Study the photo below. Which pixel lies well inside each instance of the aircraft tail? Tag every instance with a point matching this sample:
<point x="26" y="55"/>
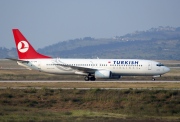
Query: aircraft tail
<point x="24" y="48"/>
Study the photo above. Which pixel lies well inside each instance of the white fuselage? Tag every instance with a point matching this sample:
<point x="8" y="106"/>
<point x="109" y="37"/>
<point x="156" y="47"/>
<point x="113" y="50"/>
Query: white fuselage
<point x="122" y="67"/>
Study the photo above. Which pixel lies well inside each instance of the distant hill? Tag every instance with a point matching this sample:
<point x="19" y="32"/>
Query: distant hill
<point x="8" y="53"/>
<point x="162" y="43"/>
<point x="155" y="43"/>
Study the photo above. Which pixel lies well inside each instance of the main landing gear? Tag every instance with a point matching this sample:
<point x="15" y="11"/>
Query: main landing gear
<point x="87" y="78"/>
<point x="153" y="79"/>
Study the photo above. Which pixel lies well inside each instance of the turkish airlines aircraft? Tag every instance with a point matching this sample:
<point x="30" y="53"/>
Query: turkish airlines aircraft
<point x="92" y="69"/>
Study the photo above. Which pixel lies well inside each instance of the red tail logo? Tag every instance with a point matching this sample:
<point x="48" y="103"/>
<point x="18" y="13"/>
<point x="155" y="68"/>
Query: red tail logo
<point x="24" y="48"/>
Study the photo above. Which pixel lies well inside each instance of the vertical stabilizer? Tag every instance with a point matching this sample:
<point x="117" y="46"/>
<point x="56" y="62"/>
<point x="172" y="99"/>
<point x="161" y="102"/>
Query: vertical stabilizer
<point x="24" y="48"/>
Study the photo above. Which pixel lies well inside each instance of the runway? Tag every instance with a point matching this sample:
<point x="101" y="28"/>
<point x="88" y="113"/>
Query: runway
<point x="75" y="81"/>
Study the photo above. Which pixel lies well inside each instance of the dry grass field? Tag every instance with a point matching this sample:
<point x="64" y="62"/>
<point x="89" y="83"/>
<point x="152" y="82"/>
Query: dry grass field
<point x="89" y="105"/>
<point x="95" y="85"/>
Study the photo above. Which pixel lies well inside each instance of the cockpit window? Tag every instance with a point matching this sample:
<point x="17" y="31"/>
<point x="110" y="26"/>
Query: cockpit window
<point x="159" y="64"/>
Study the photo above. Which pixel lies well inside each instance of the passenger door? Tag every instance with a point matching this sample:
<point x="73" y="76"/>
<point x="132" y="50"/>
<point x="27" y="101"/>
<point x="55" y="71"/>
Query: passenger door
<point x="39" y="65"/>
<point x="149" y="66"/>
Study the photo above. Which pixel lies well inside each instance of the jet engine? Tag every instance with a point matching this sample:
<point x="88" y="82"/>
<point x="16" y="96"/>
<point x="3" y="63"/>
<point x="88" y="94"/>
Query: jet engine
<point x="102" y="74"/>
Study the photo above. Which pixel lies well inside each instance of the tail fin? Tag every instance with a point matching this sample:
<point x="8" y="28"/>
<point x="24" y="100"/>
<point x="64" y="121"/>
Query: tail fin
<point x="24" y="48"/>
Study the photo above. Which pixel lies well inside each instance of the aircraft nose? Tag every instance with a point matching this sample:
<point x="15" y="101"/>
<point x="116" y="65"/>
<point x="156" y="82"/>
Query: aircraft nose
<point x="166" y="69"/>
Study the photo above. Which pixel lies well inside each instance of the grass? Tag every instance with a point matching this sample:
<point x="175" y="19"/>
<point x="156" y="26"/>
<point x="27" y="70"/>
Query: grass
<point x="82" y="105"/>
<point x="126" y="85"/>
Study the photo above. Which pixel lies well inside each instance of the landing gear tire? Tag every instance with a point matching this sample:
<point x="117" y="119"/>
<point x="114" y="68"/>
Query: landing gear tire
<point x="86" y="78"/>
<point x="92" y="78"/>
<point x="153" y="79"/>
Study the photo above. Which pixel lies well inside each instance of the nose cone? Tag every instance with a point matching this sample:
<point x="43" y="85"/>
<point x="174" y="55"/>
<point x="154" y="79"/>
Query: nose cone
<point x="166" y="69"/>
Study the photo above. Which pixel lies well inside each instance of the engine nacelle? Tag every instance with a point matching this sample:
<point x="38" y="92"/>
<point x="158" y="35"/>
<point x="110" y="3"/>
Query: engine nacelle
<point x="102" y="74"/>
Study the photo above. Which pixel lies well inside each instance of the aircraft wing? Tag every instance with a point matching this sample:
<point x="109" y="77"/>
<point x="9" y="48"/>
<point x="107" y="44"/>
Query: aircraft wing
<point x="81" y="69"/>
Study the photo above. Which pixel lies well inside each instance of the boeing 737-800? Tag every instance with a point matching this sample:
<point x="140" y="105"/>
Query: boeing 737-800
<point x="91" y="69"/>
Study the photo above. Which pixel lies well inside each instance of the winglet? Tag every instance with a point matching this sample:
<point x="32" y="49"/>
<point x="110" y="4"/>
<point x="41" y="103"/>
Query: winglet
<point x="24" y="48"/>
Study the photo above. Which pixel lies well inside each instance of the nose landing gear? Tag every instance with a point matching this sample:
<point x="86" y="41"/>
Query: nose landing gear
<point x="153" y="78"/>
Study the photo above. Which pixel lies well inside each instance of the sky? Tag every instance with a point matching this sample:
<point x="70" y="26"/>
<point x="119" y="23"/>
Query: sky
<point x="46" y="22"/>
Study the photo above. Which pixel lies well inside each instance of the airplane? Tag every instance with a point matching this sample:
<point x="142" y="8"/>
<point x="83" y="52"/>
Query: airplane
<point x="91" y="69"/>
